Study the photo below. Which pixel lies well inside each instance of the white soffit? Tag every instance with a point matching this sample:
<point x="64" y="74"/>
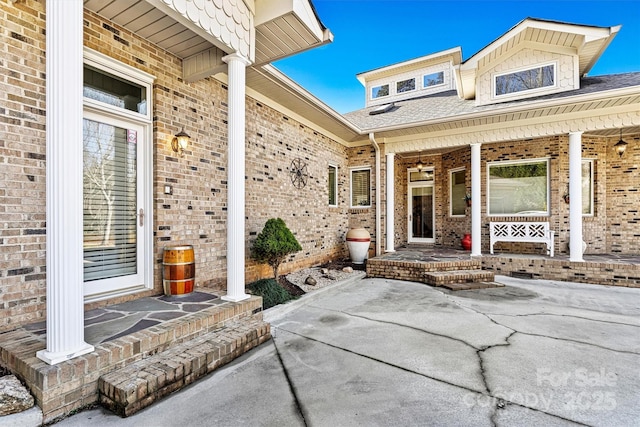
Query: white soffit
<point x="286" y="27"/>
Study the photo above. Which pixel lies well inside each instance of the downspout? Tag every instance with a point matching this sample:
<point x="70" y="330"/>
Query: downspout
<point x="378" y="218"/>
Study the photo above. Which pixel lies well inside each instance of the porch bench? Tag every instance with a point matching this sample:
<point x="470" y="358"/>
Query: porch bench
<point x="534" y="232"/>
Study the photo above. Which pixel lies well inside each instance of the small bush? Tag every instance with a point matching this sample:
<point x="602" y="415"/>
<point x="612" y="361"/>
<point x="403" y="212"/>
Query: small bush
<point x="271" y="292"/>
<point x="274" y="243"/>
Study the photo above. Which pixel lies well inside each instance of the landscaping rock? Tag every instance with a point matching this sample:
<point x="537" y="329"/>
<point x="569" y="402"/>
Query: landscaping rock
<point x="348" y="269"/>
<point x="311" y="281"/>
<point x="14" y="397"/>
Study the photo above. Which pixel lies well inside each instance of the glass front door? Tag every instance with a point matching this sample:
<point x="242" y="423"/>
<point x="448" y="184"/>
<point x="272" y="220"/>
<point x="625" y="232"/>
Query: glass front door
<point x="113" y="218"/>
<point x="421" y="214"/>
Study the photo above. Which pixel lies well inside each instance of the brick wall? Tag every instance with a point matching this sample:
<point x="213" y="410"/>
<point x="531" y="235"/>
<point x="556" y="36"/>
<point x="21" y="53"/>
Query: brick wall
<point x="22" y="163"/>
<point x="195" y="213"/>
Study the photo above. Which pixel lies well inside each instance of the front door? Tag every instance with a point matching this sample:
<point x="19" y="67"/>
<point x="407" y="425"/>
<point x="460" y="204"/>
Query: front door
<point x="421" y="206"/>
<point x="114" y="218"/>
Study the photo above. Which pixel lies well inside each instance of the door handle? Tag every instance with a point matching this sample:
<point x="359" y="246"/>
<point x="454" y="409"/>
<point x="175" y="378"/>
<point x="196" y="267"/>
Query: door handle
<point x="141" y="216"/>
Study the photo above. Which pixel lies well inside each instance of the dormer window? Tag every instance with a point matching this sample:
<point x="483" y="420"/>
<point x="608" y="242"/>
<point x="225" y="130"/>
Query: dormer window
<point x="433" y="79"/>
<point x="525" y="80"/>
<point x="379" y="91"/>
<point x="405" y="85"/>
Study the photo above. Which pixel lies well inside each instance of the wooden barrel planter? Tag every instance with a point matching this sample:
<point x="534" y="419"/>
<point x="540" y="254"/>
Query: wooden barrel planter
<point x="179" y="270"/>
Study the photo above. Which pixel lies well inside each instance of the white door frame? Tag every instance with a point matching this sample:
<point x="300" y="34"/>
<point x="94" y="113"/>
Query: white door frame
<point x="143" y="279"/>
<point x="410" y="187"/>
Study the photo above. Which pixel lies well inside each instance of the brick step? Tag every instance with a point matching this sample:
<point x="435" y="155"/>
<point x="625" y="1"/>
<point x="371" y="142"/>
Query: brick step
<point x="441" y="278"/>
<point x="472" y="285"/>
<point x="138" y="385"/>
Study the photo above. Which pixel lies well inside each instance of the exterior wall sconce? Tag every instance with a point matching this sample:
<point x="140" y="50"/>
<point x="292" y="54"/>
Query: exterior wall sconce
<point x="180" y="142"/>
<point x="620" y="146"/>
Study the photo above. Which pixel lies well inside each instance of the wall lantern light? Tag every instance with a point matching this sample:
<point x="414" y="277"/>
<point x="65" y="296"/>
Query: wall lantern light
<point x="180" y="142"/>
<point x="620" y="146"/>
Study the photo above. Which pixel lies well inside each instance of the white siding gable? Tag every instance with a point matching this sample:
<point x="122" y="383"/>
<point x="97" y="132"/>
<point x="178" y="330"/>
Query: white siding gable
<point x="565" y="68"/>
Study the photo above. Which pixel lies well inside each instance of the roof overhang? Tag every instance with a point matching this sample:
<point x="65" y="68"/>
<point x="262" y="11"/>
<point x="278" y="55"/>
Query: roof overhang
<point x="586" y="42"/>
<point x="584" y="111"/>
<point x="269" y="85"/>
<point x="261" y="30"/>
<point x="287" y="27"/>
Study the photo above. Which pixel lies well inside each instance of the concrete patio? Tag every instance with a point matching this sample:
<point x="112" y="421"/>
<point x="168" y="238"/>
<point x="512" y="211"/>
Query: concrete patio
<point x="385" y="352"/>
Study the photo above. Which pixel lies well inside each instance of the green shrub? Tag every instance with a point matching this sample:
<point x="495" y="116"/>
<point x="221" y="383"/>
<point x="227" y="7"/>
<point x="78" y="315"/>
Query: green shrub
<point x="273" y="244"/>
<point x="271" y="292"/>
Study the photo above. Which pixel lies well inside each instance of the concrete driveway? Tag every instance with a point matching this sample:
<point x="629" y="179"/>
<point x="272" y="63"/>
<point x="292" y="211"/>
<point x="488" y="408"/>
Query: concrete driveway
<point x="384" y="352"/>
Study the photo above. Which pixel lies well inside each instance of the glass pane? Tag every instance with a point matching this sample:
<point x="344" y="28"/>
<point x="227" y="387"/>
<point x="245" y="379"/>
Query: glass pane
<point x="379" y="91"/>
<point x="458" y="193"/>
<point x="433" y="79"/>
<point x="423" y="175"/>
<point x="422" y="215"/>
<point x="405" y="85"/>
<point x="104" y="87"/>
<point x="587" y="184"/>
<point x="110" y="201"/>
<point x="519" y="189"/>
<point x="360" y="188"/>
<point x="525" y="80"/>
<point x="332" y="186"/>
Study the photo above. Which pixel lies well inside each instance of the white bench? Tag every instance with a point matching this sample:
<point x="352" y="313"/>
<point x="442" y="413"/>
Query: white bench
<point x="535" y="232"/>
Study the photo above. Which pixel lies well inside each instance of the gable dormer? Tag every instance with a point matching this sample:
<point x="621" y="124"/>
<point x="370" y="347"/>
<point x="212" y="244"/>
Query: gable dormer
<point x="410" y="79"/>
<point x="534" y="58"/>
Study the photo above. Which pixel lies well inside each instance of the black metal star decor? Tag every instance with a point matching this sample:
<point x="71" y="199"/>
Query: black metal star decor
<point x="299" y="173"/>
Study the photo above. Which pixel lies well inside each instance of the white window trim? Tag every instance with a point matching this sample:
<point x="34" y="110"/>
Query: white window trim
<point x="355" y="169"/>
<point x="592" y="192"/>
<point x="371" y="97"/>
<point x="115" y="67"/>
<point x="415" y="86"/>
<point x="515" y="162"/>
<point x="451" y="172"/>
<point x="119" y="69"/>
<point x="444" y="82"/>
<point x="332" y="165"/>
<point x="526" y="92"/>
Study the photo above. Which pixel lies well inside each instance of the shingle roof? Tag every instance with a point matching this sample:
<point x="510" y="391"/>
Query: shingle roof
<point x="447" y="105"/>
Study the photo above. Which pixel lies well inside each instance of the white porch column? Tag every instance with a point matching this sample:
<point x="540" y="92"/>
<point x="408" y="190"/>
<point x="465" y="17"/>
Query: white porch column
<point x="235" y="177"/>
<point x="575" y="201"/>
<point x="476" y="219"/>
<point x="390" y="187"/>
<point x="65" y="298"/>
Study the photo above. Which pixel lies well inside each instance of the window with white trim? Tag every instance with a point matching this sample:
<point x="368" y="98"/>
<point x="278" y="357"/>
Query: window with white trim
<point x="405" y="85"/>
<point x="518" y="187"/>
<point x="433" y="79"/>
<point x="333" y="185"/>
<point x="525" y="80"/>
<point x="457" y="192"/>
<point x="379" y="91"/>
<point x="361" y="187"/>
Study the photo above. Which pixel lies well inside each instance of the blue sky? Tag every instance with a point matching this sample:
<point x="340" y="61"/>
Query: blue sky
<point x="371" y="34"/>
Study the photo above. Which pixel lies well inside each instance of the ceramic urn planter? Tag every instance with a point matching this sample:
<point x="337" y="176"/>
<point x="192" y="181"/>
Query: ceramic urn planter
<point x="358" y="241"/>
